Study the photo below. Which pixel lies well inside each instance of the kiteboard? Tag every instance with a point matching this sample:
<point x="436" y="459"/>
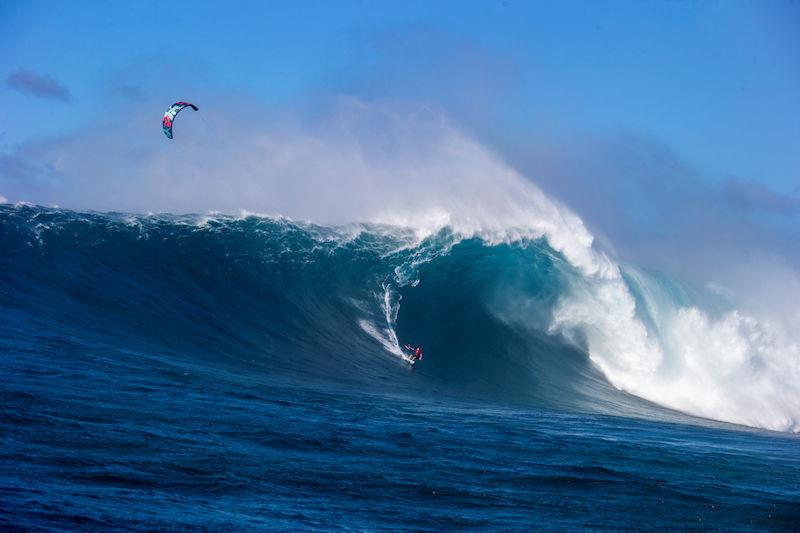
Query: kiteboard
<point x="409" y="359"/>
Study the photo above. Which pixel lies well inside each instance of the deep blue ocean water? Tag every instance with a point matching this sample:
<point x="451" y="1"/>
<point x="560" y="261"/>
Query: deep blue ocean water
<point x="176" y="373"/>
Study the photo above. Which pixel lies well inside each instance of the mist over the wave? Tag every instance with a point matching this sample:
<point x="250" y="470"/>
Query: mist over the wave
<point x="651" y="207"/>
<point x="405" y="164"/>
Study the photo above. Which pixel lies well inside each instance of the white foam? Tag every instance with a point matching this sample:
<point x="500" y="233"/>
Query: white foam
<point x="734" y="368"/>
<point x="385" y="334"/>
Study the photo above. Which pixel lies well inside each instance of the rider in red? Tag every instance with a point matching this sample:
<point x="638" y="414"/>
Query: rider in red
<point x="416" y="353"/>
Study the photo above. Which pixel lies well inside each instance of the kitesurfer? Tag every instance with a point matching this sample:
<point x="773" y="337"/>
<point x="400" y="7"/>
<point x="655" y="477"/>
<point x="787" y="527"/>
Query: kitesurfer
<point x="415" y="353"/>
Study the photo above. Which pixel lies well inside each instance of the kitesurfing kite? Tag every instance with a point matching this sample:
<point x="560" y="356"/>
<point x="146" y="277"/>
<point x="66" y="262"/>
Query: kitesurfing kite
<point x="169" y="116"/>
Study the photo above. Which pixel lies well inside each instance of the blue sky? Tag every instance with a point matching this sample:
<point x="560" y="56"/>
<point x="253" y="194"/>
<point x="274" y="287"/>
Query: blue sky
<point x="716" y="81"/>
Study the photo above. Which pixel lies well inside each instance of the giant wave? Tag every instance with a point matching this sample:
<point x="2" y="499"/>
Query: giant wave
<point x="530" y="313"/>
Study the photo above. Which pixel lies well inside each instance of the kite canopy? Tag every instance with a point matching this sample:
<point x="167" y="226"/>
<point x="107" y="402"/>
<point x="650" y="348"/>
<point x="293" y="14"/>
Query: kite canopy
<point x="169" y="116"/>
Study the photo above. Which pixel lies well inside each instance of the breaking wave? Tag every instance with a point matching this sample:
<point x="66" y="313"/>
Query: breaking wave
<point x="530" y="313"/>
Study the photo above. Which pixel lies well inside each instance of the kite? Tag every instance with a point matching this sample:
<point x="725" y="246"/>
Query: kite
<point x="169" y="116"/>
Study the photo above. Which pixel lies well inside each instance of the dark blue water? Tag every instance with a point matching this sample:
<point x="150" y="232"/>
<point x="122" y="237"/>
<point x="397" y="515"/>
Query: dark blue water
<point x="159" y="374"/>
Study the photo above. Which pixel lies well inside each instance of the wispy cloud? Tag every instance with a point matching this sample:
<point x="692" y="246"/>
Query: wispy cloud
<point x="754" y="196"/>
<point x="13" y="166"/>
<point x="128" y="92"/>
<point x="38" y="85"/>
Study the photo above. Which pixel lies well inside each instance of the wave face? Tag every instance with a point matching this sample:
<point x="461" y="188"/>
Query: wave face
<point x="509" y="320"/>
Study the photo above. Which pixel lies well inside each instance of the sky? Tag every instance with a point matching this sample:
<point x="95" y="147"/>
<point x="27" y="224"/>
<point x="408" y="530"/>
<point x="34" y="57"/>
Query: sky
<point x="671" y="127"/>
<point x="716" y="81"/>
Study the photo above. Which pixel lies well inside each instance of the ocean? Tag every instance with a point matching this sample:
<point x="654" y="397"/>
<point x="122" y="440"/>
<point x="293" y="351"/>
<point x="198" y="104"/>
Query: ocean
<point x="214" y="372"/>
